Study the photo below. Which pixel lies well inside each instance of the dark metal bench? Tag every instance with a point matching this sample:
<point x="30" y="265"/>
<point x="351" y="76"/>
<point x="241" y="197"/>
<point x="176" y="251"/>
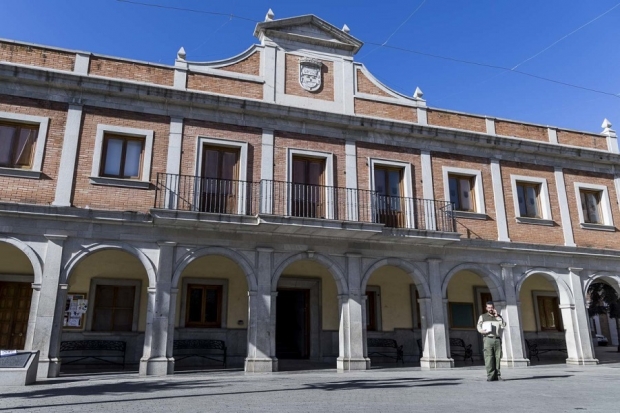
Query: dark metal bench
<point x="106" y="351"/>
<point x="536" y="346"/>
<point x="208" y="349"/>
<point x="460" y="349"/>
<point x="385" y="343"/>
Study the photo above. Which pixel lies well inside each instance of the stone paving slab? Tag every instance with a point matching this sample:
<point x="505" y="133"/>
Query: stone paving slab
<point x="549" y="388"/>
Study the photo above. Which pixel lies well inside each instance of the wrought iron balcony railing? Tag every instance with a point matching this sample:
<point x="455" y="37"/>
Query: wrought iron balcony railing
<point x="289" y="199"/>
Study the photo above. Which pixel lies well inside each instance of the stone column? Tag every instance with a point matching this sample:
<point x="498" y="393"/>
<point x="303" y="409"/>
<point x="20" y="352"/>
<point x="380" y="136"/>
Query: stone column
<point x="148" y="331"/>
<point x="51" y="303"/>
<point x="261" y="325"/>
<point x="157" y="363"/>
<point x="512" y="343"/>
<point x="575" y="319"/>
<point x="174" y="293"/>
<point x="434" y="325"/>
<point x="32" y="316"/>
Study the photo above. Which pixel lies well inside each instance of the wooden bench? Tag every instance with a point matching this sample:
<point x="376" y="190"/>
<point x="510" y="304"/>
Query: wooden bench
<point x="385" y="344"/>
<point x="460" y="349"/>
<point x="208" y="349"/>
<point x="106" y="351"/>
<point x="537" y="346"/>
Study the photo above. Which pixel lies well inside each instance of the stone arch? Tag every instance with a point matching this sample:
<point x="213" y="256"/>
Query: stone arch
<point x="610" y="278"/>
<point x="491" y="280"/>
<point x="416" y="274"/>
<point x="119" y="246"/>
<point x="334" y="269"/>
<point x="237" y="258"/>
<point x="32" y="256"/>
<point x="564" y="292"/>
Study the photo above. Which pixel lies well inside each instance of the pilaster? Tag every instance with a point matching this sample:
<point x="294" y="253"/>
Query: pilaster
<point x="173" y="162"/>
<point x="266" y="171"/>
<point x="427" y="189"/>
<point x="351" y="180"/>
<point x="567" y="227"/>
<point x="68" y="156"/>
<point x="500" y="205"/>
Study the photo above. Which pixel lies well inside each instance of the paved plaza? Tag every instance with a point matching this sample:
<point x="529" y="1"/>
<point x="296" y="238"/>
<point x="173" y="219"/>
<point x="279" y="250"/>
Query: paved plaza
<point x="542" y="388"/>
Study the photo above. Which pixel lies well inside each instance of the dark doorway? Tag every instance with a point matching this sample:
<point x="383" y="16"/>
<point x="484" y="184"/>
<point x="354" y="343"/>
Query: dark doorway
<point x="293" y="324"/>
<point x="14" y="311"/>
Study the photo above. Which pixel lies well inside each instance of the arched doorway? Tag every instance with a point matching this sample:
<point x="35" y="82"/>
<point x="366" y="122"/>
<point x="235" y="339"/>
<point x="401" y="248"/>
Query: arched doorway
<point x="601" y="293"/>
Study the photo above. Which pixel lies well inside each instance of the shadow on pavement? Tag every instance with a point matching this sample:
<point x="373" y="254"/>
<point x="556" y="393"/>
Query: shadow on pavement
<point x="541" y="377"/>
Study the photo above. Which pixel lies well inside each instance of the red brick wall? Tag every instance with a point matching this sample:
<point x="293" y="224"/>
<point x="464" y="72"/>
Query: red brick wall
<point x="36" y="191"/>
<point x="470" y="228"/>
<point x="520" y="130"/>
<point x="455" y="120"/>
<point x="292" y="86"/>
<point x="224" y="86"/>
<point x="527" y="232"/>
<point x="583" y="140"/>
<point x="586" y="237"/>
<point x="250" y="65"/>
<point x="385" y="110"/>
<point x="101" y="66"/>
<point x="36" y="56"/>
<point x="115" y="198"/>
<point x="364" y="85"/>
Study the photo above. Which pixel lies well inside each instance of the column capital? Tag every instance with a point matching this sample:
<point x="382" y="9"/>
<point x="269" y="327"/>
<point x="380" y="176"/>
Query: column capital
<point x="264" y="249"/>
<point x="63" y="286"/>
<point x="152" y="290"/>
<point x="507" y="265"/>
<point x="174" y="291"/>
<point x="166" y="243"/>
<point x="252" y="293"/>
<point x="433" y="260"/>
<point x="575" y="270"/>
<point x="569" y="306"/>
<point x="56" y="237"/>
<point x="36" y="287"/>
<point x="353" y="255"/>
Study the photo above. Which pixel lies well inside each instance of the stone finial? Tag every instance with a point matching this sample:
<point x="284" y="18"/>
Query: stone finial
<point x="607" y="130"/>
<point x="269" y="16"/>
<point x="418" y="93"/>
<point x="346" y="29"/>
<point x="606" y="124"/>
<point x="181" y="54"/>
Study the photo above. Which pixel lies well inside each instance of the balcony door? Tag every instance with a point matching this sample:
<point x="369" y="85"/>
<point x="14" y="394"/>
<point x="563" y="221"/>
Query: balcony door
<point x="389" y="202"/>
<point x="219" y="180"/>
<point x="307" y="188"/>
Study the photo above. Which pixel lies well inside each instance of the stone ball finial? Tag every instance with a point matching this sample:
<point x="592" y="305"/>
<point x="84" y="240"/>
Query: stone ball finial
<point x="269" y="16"/>
<point x="181" y="54"/>
<point x="418" y="93"/>
<point x="346" y="29"/>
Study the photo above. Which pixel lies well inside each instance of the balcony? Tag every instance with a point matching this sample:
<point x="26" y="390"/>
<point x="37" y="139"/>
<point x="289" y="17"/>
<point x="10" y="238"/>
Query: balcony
<point x="287" y="207"/>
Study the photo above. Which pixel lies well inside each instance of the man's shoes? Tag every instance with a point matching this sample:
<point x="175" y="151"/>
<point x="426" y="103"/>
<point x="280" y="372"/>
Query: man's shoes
<point x="499" y="378"/>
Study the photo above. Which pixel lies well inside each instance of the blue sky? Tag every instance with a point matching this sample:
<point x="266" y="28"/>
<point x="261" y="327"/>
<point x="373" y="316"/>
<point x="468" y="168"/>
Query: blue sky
<point x="494" y="32"/>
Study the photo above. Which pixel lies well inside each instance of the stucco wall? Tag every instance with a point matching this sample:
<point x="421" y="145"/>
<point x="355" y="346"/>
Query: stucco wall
<point x="395" y="285"/>
<point x="528" y="314"/>
<point x="13" y="261"/>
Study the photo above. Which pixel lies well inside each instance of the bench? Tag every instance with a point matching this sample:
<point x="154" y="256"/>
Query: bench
<point x="460" y="349"/>
<point x="106" y="351"/>
<point x="208" y="349"/>
<point x="536" y="346"/>
<point x="385" y="343"/>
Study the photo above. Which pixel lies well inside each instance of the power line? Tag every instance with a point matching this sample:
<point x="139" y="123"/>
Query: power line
<point x="213" y="13"/>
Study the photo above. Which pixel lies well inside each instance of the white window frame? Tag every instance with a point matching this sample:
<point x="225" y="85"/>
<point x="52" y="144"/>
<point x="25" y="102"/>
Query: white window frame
<point x="37" y="160"/>
<point x="478" y="187"/>
<point x="328" y="157"/>
<point x="242" y="147"/>
<point x="605" y="205"/>
<point x="407" y="184"/>
<point x="543" y="195"/>
<point x="145" y="177"/>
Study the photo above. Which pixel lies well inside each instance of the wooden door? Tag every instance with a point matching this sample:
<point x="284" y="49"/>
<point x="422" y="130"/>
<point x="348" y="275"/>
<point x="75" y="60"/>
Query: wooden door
<point x="219" y="180"/>
<point x="307" y="189"/>
<point x="389" y="203"/>
<point x="15" y="300"/>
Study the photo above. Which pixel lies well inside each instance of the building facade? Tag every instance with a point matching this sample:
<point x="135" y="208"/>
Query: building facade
<point x="286" y="202"/>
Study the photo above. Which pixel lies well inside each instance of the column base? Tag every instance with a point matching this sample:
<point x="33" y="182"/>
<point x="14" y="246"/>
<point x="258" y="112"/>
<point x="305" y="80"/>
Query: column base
<point x="582" y="362"/>
<point x="515" y="363"/>
<point x="433" y="364"/>
<point x="348" y="364"/>
<point x="261" y="365"/>
<point x="158" y="366"/>
<point x="48" y="368"/>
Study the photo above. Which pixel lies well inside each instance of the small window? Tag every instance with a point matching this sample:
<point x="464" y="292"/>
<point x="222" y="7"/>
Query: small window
<point x="122" y="157"/>
<point x="114" y="308"/>
<point x="591" y="206"/>
<point x="462" y="192"/>
<point x="528" y="195"/>
<point x="17" y="144"/>
<point x="462" y="315"/>
<point x="549" y="313"/>
<point x="204" y="306"/>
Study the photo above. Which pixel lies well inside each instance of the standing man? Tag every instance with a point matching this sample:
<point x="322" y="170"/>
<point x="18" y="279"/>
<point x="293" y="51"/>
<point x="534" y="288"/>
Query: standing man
<point x="491" y="325"/>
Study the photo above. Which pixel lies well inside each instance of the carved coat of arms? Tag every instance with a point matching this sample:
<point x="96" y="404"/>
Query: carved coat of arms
<point x="310" y="77"/>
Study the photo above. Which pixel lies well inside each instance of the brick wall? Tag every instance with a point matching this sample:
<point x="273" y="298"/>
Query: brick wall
<point x="527" y="232"/>
<point x="36" y="191"/>
<point x="583" y="140"/>
<point x="224" y="86"/>
<point x="101" y="66"/>
<point x="588" y="237"/>
<point x="250" y="65"/>
<point x="116" y="198"/>
<point x="470" y="228"/>
<point x="536" y="133"/>
<point x="385" y="110"/>
<point x="364" y="85"/>
<point x="36" y="56"/>
<point x="455" y="120"/>
<point x="292" y="86"/>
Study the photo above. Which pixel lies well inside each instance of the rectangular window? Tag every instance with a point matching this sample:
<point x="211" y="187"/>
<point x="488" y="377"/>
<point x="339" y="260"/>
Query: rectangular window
<point x="389" y="202"/>
<point x="122" y="157"/>
<point x="549" y="313"/>
<point x="17" y="144"/>
<point x="114" y="308"/>
<point x="371" y="310"/>
<point x="219" y="180"/>
<point x="528" y="195"/>
<point x="204" y="306"/>
<point x="591" y="206"/>
<point x="462" y="192"/>
<point x="307" y="189"/>
<point x="462" y="315"/>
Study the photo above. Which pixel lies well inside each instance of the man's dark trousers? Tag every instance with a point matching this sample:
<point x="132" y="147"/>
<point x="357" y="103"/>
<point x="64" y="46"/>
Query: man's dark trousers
<point x="492" y="357"/>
